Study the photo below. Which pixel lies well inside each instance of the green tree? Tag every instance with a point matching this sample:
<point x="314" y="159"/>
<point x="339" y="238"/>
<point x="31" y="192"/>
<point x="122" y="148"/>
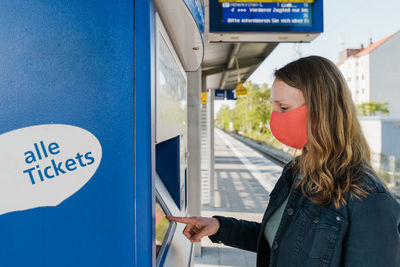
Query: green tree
<point x="252" y="111"/>
<point x="224" y="117"/>
<point x="251" y="114"/>
<point x="372" y="108"/>
<point x="227" y="117"/>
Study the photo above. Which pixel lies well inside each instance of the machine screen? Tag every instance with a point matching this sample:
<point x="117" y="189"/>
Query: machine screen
<point x="162" y="226"/>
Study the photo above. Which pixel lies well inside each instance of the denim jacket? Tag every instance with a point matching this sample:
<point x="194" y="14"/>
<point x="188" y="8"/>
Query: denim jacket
<point x="363" y="233"/>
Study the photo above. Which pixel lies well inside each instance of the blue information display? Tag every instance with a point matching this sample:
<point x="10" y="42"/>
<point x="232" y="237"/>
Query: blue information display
<point x="266" y="16"/>
<point x="279" y="14"/>
<point x="219" y="94"/>
<point x="230" y="95"/>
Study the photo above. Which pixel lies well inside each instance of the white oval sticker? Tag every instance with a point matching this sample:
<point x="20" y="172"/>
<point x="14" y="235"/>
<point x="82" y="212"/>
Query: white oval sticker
<point x="45" y="164"/>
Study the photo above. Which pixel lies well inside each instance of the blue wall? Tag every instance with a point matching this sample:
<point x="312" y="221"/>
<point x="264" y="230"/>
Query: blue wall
<point x="71" y="62"/>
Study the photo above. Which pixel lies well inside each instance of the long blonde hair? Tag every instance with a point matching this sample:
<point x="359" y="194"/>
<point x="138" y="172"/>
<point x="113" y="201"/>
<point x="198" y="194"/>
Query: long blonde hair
<point x="337" y="155"/>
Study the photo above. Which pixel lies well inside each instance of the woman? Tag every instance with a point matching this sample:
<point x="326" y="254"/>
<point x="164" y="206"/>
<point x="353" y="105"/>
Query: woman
<point x="328" y="208"/>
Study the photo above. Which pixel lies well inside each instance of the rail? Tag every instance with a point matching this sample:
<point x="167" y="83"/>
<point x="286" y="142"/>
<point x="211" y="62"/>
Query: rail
<point x="277" y="156"/>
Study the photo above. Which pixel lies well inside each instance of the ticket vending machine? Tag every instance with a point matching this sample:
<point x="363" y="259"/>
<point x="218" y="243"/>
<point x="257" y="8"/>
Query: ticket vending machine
<point x="172" y="248"/>
<point x="93" y="134"/>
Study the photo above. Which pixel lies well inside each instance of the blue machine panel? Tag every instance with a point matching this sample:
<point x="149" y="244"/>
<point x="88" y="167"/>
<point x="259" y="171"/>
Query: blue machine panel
<point x="253" y="16"/>
<point x="144" y="48"/>
<point x="168" y="166"/>
<point x="71" y="63"/>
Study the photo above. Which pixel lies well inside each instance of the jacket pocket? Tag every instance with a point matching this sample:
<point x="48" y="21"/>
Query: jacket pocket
<point x="321" y="233"/>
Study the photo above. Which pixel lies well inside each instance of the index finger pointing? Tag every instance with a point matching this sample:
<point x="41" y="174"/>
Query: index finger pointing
<point x="185" y="220"/>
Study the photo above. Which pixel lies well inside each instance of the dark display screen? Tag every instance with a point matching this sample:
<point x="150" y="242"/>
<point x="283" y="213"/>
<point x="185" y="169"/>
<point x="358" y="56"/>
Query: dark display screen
<point x="162" y="225"/>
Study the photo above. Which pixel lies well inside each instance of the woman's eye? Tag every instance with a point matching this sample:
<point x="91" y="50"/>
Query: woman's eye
<point x="284" y="108"/>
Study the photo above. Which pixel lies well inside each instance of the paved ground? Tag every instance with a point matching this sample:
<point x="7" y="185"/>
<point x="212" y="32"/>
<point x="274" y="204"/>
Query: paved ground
<point x="243" y="180"/>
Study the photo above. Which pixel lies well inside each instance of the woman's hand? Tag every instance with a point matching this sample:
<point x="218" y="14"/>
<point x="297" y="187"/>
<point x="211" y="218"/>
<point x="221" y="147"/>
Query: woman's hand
<point x="197" y="227"/>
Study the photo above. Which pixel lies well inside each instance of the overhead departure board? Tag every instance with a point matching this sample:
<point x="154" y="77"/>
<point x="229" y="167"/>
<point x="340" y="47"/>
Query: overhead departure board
<point x="280" y="14"/>
<point x="290" y="16"/>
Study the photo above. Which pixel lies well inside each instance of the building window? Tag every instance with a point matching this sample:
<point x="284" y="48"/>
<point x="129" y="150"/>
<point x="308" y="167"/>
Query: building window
<point x="363" y="91"/>
<point x="356" y="92"/>
<point x="362" y="77"/>
<point x="357" y="78"/>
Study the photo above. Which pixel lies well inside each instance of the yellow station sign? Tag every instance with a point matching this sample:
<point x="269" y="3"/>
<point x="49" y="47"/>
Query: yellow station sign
<point x="240" y="90"/>
<point x="204" y="98"/>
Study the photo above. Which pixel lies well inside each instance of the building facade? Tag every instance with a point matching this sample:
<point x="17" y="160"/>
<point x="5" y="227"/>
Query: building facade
<point x="372" y="73"/>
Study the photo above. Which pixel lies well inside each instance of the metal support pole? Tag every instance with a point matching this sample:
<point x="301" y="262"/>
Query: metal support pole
<point x="211" y="145"/>
<point x="193" y="123"/>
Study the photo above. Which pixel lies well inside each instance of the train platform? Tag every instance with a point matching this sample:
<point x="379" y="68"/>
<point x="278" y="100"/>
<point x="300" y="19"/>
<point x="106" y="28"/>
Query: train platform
<point x="243" y="180"/>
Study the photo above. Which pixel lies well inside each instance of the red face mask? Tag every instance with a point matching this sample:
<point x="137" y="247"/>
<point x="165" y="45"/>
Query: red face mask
<point x="290" y="127"/>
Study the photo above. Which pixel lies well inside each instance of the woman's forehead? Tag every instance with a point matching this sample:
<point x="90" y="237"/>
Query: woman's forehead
<point x="283" y="92"/>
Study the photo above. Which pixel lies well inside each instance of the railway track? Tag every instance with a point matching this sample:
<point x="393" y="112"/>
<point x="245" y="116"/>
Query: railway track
<point x="278" y="157"/>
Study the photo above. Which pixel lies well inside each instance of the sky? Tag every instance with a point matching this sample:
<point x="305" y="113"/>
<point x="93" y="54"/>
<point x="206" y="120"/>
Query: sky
<point x="351" y="21"/>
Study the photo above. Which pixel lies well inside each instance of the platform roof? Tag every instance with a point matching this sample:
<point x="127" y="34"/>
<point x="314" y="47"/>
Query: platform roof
<point x="219" y="64"/>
